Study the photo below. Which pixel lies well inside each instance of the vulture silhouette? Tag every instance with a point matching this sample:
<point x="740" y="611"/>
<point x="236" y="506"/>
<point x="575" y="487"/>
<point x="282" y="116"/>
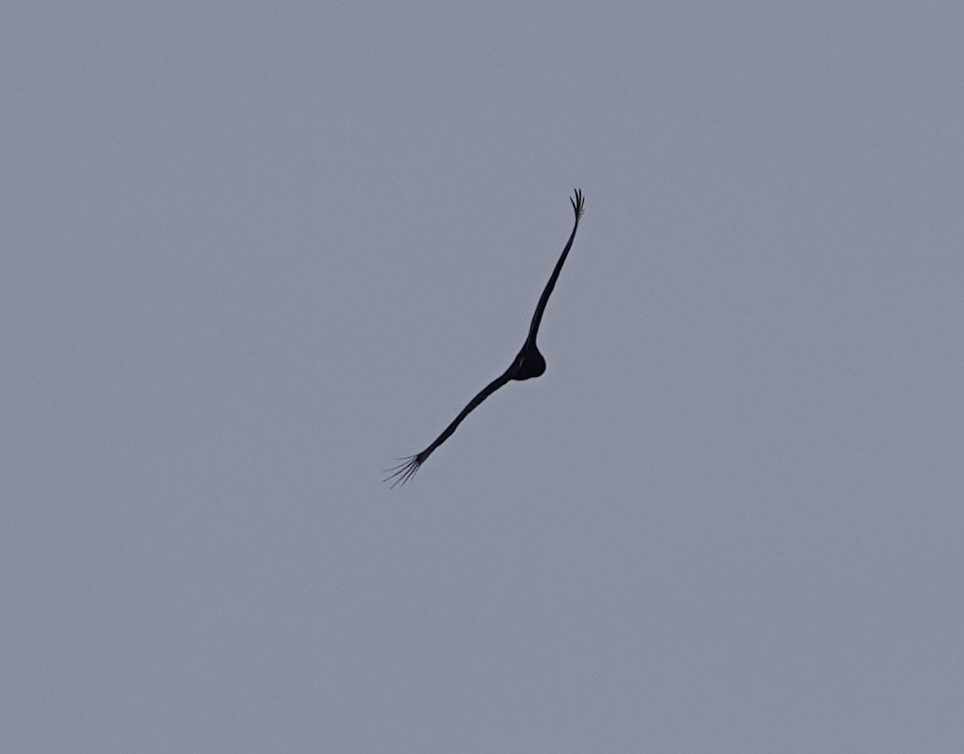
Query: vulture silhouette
<point x="527" y="364"/>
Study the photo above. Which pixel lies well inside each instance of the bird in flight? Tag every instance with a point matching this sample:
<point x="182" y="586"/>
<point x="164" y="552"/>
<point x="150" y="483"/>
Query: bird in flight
<point x="527" y="364"/>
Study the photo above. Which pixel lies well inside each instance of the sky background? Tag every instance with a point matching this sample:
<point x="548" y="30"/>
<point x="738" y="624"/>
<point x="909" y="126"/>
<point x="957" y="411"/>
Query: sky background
<point x="251" y="252"/>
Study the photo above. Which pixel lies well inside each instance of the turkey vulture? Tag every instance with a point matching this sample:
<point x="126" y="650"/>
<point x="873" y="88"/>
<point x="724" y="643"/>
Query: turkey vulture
<point x="527" y="364"/>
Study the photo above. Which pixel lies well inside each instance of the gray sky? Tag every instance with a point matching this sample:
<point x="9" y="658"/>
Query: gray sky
<point x="250" y="252"/>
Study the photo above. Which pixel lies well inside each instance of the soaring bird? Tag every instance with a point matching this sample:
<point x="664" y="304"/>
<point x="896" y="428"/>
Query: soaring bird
<point x="527" y="364"/>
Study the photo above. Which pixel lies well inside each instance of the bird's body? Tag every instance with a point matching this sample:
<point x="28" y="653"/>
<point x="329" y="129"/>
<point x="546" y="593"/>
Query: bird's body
<point x="528" y="364"/>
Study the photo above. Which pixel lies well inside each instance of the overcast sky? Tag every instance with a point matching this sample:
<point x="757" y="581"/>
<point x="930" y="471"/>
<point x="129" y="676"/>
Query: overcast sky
<point x="252" y="252"/>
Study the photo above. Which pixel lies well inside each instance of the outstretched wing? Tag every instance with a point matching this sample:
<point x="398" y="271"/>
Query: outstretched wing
<point x="578" y="203"/>
<point x="406" y="470"/>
